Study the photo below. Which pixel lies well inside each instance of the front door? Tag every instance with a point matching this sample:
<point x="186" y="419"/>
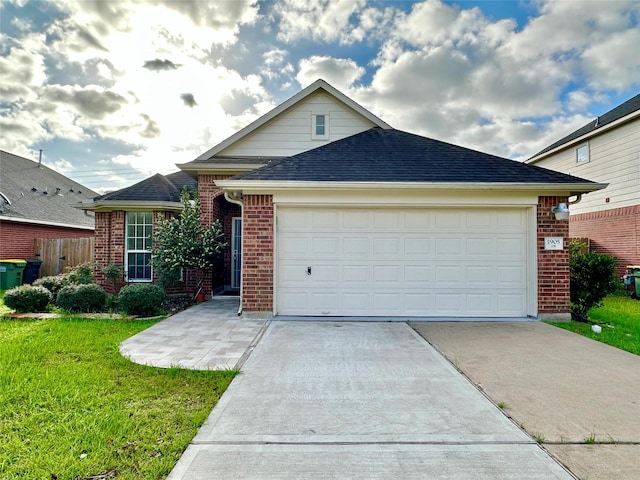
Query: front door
<point x="236" y="252"/>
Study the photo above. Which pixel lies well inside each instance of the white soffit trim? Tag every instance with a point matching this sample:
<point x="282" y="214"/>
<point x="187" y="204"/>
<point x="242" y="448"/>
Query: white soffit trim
<point x="585" y="137"/>
<point x="269" y="186"/>
<point x="301" y="95"/>
<point x="4" y="218"/>
<point x="139" y="205"/>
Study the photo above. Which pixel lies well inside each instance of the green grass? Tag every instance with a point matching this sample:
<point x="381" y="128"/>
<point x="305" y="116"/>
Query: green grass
<point x="72" y="407"/>
<point x="620" y="320"/>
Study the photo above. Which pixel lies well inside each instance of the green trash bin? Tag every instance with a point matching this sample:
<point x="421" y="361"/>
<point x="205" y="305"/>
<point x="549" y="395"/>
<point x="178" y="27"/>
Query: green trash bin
<point x="11" y="273"/>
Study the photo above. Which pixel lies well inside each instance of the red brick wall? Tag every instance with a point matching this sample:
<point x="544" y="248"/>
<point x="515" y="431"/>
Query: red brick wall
<point x="213" y="206"/>
<point x="18" y="240"/>
<point x="109" y="244"/>
<point x="553" y="265"/>
<point x="257" y="273"/>
<point x="615" y="232"/>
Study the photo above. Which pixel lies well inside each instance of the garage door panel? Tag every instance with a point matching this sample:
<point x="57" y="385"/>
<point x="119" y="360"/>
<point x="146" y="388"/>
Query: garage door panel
<point x="418" y="262"/>
<point x="417" y="274"/>
<point x="356" y="246"/>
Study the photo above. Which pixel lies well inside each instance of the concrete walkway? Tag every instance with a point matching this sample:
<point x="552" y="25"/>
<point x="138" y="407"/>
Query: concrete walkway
<point x="207" y="336"/>
<point x="329" y="400"/>
<point x="559" y="386"/>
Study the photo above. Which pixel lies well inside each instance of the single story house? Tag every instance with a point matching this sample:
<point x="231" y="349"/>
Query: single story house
<point x="330" y="212"/>
<point x="607" y="150"/>
<point x="36" y="202"/>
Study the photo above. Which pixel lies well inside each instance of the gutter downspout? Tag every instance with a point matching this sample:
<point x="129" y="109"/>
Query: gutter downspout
<point x="577" y="200"/>
<point x="236" y="197"/>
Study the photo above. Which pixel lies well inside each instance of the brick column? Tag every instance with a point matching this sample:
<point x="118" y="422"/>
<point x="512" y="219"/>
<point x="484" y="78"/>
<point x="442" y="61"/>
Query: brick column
<point x="109" y="243"/>
<point x="553" y="265"/>
<point x="257" y="255"/>
<point x="209" y="195"/>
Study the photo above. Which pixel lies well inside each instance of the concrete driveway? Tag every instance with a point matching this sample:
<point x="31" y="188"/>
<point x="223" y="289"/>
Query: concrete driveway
<point x="564" y="388"/>
<point x="357" y="400"/>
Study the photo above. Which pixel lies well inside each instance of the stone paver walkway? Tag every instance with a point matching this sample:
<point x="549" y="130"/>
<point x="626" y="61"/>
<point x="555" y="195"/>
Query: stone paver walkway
<point x="208" y="336"/>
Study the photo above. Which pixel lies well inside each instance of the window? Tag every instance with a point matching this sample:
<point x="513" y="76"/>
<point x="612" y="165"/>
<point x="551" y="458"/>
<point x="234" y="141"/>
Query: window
<point x="139" y="228"/>
<point x="320" y="127"/>
<point x="582" y="153"/>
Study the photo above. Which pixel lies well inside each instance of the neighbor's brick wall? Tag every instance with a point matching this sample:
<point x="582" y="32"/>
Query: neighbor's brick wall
<point x="257" y="273"/>
<point x="615" y="232"/>
<point x="553" y="265"/>
<point x="18" y="240"/>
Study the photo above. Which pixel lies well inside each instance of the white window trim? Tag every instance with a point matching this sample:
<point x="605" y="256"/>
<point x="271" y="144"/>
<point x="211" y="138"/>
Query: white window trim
<point x="127" y="252"/>
<point x="588" y="156"/>
<point x="314" y="117"/>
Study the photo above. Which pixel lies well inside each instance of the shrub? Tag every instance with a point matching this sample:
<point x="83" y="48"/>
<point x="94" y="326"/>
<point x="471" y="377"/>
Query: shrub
<point x="593" y="277"/>
<point x="141" y="299"/>
<point x="81" y="274"/>
<point x="87" y="297"/>
<point x="28" y="298"/>
<point x="54" y="284"/>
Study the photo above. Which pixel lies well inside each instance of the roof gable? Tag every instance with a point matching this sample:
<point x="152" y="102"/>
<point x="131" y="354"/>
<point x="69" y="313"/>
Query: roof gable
<point x="35" y="193"/>
<point x="380" y="155"/>
<point x="300" y="97"/>
<point x="623" y="110"/>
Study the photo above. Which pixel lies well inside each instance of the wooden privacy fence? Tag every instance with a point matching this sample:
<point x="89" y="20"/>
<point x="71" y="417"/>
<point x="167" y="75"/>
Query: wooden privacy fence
<point x="58" y="254"/>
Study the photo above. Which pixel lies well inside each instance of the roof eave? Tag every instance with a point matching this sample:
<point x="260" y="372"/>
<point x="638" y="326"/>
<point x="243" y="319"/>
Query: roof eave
<point x="251" y="186"/>
<point x="585" y="137"/>
<point x="131" y="205"/>
<point x="31" y="221"/>
<point x="203" y="168"/>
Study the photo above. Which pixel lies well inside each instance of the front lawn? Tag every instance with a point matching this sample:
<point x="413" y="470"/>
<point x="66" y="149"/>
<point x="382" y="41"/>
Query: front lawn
<point x="619" y="318"/>
<point x="71" y="407"/>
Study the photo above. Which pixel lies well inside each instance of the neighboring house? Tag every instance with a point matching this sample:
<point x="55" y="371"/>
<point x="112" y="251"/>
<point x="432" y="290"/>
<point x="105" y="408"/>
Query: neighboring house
<point x="36" y="202"/>
<point x="606" y="150"/>
<point x="331" y="212"/>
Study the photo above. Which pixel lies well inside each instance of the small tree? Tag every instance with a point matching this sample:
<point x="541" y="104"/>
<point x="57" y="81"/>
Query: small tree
<point x="593" y="277"/>
<point x="183" y="242"/>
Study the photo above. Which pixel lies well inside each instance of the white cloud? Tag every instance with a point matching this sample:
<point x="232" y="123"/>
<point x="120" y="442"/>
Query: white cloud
<point x="614" y="62"/>
<point x="339" y="72"/>
<point x="320" y="20"/>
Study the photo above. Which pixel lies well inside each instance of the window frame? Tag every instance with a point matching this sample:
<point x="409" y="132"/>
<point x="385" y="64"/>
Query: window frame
<point x="314" y="126"/>
<point x="587" y="156"/>
<point x="144" y="248"/>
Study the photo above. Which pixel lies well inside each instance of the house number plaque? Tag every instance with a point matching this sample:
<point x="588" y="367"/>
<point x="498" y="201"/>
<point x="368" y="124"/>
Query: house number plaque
<point x="553" y="243"/>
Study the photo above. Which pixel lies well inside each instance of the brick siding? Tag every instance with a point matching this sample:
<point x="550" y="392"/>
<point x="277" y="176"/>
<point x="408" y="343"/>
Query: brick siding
<point x="257" y="273"/>
<point x="615" y="232"/>
<point x="18" y="240"/>
<point x="553" y="265"/>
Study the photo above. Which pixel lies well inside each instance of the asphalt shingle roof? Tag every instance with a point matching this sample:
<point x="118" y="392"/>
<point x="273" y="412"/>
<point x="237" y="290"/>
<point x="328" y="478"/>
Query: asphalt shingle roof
<point x="158" y="188"/>
<point x="622" y="110"/>
<point x="384" y="155"/>
<point x="38" y="193"/>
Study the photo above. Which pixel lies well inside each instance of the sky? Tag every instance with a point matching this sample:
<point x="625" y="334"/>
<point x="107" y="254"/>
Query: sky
<point x="114" y="92"/>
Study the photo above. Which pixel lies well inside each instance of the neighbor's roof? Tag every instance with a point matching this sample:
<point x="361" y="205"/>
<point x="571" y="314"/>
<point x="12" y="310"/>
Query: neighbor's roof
<point x="620" y="112"/>
<point x="158" y="191"/>
<point x="380" y="155"/>
<point x="34" y="193"/>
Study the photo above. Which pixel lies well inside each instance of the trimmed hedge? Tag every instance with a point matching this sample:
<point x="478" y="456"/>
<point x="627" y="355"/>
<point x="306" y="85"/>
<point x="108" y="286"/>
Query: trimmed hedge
<point x="141" y="299"/>
<point x="53" y="283"/>
<point x="28" y="298"/>
<point x="82" y="298"/>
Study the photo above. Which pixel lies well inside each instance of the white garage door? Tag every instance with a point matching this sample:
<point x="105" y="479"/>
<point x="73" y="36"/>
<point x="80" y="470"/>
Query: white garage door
<point x="401" y="262"/>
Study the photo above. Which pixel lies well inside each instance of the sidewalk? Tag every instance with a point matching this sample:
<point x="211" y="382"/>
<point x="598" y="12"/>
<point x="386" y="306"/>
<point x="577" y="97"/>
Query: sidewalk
<point x="207" y="336"/>
<point x="561" y="387"/>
